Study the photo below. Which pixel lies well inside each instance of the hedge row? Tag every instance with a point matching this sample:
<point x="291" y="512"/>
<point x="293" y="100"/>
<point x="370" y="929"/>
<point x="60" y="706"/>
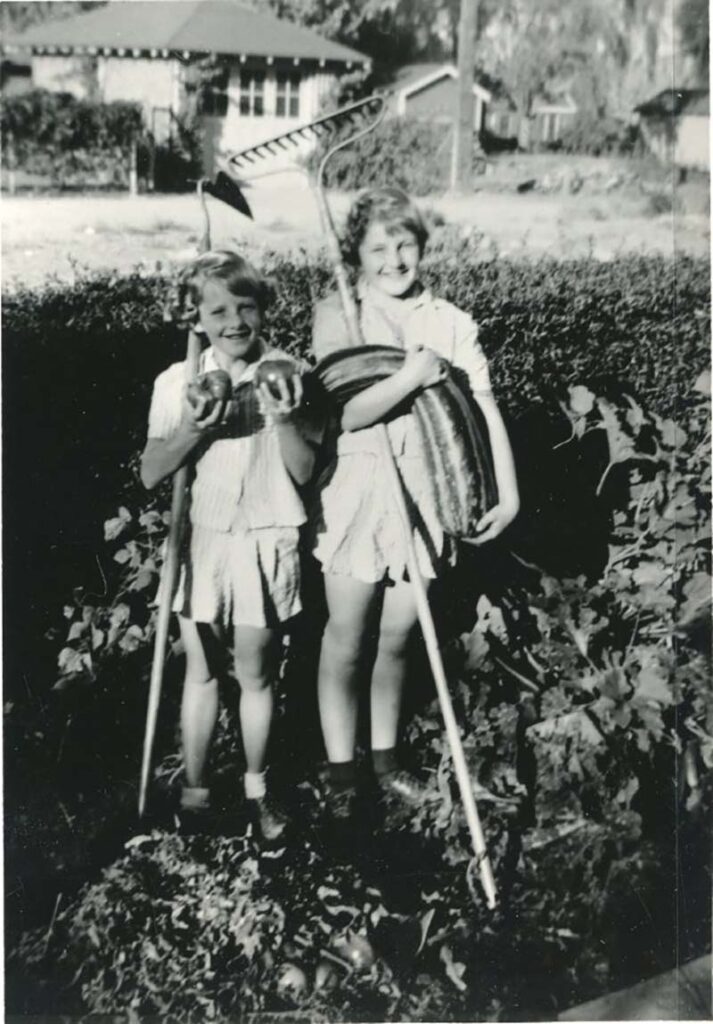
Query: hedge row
<point x="640" y="321"/>
<point x="79" y="362"/>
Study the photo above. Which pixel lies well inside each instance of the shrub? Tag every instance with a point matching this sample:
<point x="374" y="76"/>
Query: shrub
<point x="66" y="138"/>
<point x="415" y="155"/>
<point x="599" y="136"/>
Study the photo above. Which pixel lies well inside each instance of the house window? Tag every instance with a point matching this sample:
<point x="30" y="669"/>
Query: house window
<point x="549" y="127"/>
<point x="214" y="94"/>
<point x="288" y="96"/>
<point x="252" y="93"/>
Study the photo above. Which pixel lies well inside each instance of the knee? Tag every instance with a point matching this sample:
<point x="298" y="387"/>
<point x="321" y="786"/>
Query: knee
<point x="343" y="640"/>
<point x="394" y="642"/>
<point x="253" y="672"/>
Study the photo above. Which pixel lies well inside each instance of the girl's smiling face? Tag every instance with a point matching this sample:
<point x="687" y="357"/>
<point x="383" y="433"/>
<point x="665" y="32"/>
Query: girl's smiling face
<point x="231" y="322"/>
<point x="390" y="256"/>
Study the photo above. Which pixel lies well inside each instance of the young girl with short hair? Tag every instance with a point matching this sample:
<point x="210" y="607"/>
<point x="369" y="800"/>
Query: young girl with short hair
<point x="240" y="564"/>
<point x="358" y="535"/>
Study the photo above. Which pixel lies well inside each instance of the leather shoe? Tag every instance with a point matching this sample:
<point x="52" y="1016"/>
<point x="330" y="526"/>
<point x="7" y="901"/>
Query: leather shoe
<point x="270" y="820"/>
<point x="340" y="802"/>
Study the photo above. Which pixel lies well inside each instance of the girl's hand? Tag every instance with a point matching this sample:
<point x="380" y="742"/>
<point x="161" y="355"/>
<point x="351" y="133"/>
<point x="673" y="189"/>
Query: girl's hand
<point x="492" y="524"/>
<point x="202" y="413"/>
<point x="282" y="409"/>
<point x="424" y="368"/>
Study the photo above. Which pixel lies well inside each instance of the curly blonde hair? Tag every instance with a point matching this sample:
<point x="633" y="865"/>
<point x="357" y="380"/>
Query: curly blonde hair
<point x="385" y="205"/>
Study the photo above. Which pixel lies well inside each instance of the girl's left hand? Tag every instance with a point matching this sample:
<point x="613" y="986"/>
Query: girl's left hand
<point x="492" y="524"/>
<point x="282" y="409"/>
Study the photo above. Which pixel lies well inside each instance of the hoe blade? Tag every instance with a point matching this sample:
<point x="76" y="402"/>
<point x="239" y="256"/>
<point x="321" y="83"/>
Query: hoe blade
<point x="228" y="191"/>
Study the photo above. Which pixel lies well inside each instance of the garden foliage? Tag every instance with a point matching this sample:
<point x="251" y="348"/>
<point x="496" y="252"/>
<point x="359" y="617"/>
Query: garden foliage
<point x="413" y="154"/>
<point x="69" y="139"/>
<point x="582" y="694"/>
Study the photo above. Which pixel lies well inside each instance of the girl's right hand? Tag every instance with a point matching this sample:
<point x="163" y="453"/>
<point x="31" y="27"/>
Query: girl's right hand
<point x="202" y="414"/>
<point x="424" y="368"/>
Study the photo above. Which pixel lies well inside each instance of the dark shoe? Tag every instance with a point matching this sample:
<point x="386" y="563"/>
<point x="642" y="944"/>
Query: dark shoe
<point x="404" y="788"/>
<point x="270" y="820"/>
<point x="195" y="821"/>
<point x="340" y="802"/>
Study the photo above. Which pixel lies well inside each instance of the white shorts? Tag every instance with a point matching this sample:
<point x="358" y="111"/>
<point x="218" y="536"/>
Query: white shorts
<point x="246" y="578"/>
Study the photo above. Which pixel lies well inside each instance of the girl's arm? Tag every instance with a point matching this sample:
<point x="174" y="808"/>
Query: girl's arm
<point x="297" y="453"/>
<point x="163" y="456"/>
<point x="421" y="368"/>
<point x="496" y="519"/>
<point x="469" y="356"/>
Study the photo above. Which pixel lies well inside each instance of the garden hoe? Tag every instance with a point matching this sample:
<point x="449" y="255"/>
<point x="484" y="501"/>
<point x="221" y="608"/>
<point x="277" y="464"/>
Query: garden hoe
<point x="363" y="116"/>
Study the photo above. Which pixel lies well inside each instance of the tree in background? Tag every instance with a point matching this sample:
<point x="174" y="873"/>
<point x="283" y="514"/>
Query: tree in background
<point x="391" y="32"/>
<point x="693" y="24"/>
<point x="16" y="17"/>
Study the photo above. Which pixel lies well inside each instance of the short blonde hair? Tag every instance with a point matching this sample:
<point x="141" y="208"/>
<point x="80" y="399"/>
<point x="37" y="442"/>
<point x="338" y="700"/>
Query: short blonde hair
<point x="238" y="274"/>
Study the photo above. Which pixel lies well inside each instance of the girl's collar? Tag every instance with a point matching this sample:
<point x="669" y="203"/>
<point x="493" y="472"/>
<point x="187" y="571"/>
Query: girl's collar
<point x="209" y="362"/>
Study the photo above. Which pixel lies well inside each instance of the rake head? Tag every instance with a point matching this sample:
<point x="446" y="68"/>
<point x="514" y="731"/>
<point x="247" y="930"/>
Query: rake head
<point x="360" y="115"/>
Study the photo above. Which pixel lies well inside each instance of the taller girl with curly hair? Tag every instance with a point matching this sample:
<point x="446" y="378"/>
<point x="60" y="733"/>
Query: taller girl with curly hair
<point x="358" y="535"/>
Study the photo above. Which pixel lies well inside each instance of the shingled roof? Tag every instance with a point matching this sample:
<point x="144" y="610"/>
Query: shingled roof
<point x="192" y="26"/>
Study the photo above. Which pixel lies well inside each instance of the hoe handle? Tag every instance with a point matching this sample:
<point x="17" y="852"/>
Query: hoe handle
<point x="167" y="587"/>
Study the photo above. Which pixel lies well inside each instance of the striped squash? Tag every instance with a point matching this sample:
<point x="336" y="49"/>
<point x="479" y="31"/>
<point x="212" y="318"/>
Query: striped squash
<point x="452" y="426"/>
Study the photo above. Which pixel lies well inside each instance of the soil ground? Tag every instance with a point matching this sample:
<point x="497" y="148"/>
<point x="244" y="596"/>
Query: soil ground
<point x="58" y="235"/>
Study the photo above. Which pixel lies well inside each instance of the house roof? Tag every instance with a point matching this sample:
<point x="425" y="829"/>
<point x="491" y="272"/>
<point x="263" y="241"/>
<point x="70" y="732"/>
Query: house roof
<point x="193" y="26"/>
<point x="673" y="102"/>
<point x="412" y="78"/>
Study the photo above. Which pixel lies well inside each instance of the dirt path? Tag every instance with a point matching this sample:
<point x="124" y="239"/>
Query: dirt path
<point x="55" y="236"/>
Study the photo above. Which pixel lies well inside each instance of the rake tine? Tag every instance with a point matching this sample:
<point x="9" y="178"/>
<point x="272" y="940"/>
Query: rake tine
<point x="352" y="115"/>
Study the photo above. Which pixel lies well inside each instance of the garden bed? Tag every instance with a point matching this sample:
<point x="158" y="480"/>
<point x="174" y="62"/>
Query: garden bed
<point x="579" y="670"/>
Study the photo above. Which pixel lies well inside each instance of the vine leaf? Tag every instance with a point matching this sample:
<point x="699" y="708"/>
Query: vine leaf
<point x="454" y="969"/>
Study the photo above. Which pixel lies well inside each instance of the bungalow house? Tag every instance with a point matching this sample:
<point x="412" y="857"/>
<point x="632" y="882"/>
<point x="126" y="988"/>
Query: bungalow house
<point x="675" y="126"/>
<point x="429" y="91"/>
<point x="268" y="75"/>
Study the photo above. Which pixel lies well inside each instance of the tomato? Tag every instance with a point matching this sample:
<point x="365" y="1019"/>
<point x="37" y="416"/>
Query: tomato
<point x="292" y="981"/>
<point x="272" y="371"/>
<point x="215" y="385"/>
<point x="219" y="384"/>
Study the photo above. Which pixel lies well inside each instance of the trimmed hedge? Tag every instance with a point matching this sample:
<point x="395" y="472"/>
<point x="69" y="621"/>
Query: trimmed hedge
<point x="79" y="362"/>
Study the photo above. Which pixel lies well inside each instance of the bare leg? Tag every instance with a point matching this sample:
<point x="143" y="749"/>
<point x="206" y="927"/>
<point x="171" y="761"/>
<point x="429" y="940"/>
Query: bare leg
<point x="398" y="619"/>
<point x="349" y="602"/>
<point x="256" y="659"/>
<point x="199" y="707"/>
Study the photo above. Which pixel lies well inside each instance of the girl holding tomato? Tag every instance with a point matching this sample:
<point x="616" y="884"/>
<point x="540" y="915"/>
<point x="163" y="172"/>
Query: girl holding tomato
<point x="240" y="568"/>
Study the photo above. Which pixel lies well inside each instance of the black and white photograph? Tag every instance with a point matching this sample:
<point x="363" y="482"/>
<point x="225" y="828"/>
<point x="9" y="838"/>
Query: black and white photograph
<point x="356" y="478"/>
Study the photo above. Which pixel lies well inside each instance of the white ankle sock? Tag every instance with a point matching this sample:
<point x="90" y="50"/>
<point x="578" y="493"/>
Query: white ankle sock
<point x="255" y="787"/>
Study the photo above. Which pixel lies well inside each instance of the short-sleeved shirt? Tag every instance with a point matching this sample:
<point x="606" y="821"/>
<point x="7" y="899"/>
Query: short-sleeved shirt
<point x="240" y="483"/>
<point x="423" y="320"/>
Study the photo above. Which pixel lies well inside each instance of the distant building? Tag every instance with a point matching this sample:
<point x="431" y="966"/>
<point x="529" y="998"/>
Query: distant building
<point x="429" y="91"/>
<point x="675" y="127"/>
<point x="272" y="75"/>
